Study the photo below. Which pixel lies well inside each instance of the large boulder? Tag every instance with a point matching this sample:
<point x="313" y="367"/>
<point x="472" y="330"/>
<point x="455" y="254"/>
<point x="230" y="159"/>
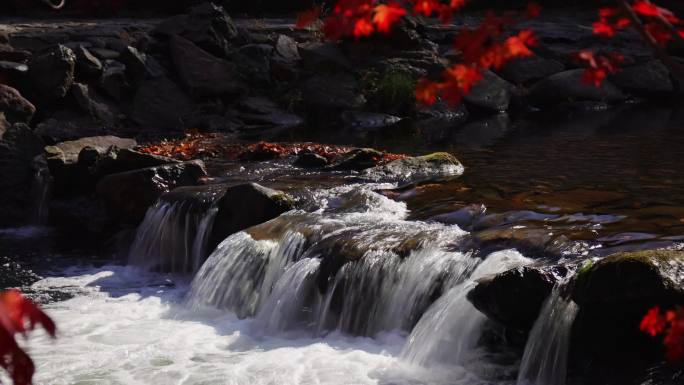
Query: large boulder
<point x="15" y="106"/>
<point x="417" y="168"/>
<point x="568" y="86"/>
<point x="202" y="73"/>
<point x="92" y="104"/>
<point x="614" y="294"/>
<point x="206" y="25"/>
<point x="515" y="297"/>
<point x="161" y="103"/>
<point x="140" y="66"/>
<point x="18" y="149"/>
<point x="491" y="94"/>
<point x="247" y="205"/>
<point x="52" y="72"/>
<point x="65" y="160"/>
<point x="647" y="79"/>
<point x="114" y="81"/>
<point x="128" y="195"/>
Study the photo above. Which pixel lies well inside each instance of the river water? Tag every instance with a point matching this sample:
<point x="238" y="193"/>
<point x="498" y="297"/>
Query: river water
<point x="267" y="307"/>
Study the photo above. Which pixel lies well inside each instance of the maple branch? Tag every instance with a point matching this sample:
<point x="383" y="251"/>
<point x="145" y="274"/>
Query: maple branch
<point x="675" y="68"/>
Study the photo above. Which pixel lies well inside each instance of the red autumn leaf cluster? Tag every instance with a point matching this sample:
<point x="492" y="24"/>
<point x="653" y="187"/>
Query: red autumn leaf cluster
<point x="488" y="45"/>
<point x="671" y="324"/>
<point x="598" y="67"/>
<point x="18" y="316"/>
<point x="659" y="22"/>
<point x="202" y="145"/>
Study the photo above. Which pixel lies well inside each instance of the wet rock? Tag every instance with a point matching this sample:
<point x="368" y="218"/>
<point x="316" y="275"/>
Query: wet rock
<point x="568" y="86"/>
<point x="247" y="205"/>
<point x="359" y="159"/>
<point x="52" y="72"/>
<point x="286" y="49"/>
<point x="361" y="120"/>
<point x="647" y="79"/>
<point x="160" y="103"/>
<point x="202" y="73"/>
<point x="527" y="70"/>
<point x="88" y="67"/>
<point x="336" y="92"/>
<point x="139" y="66"/>
<point x="206" y="25"/>
<point x="515" y="297"/>
<point x="463" y="218"/>
<point x="419" y="168"/>
<point x="127" y="195"/>
<point x="614" y="294"/>
<point x="66" y="161"/>
<point x="310" y="160"/>
<point x="492" y="93"/>
<point x="92" y="104"/>
<point x="15" y="107"/>
<point x="113" y="80"/>
<point x="18" y="148"/>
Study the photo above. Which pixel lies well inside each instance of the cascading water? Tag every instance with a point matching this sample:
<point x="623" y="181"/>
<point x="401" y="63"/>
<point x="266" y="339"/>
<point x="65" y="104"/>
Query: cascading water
<point x="173" y="236"/>
<point x="546" y="353"/>
<point x="450" y="329"/>
<point x="374" y="271"/>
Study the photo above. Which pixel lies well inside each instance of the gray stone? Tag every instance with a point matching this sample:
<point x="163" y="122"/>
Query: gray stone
<point x="128" y="195"/>
<point x="417" y="169"/>
<point x="139" y="66"/>
<point x="92" y="104"/>
<point x="66" y="153"/>
<point x="647" y="79"/>
<point x="52" y="72"/>
<point x="114" y="82"/>
<point x="87" y="65"/>
<point x="202" y="73"/>
<point x="161" y="103"/>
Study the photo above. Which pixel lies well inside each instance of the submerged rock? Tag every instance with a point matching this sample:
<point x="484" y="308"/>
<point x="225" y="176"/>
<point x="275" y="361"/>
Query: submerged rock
<point x="359" y="159"/>
<point x="311" y="160"/>
<point x="419" y="168"/>
<point x="128" y="195"/>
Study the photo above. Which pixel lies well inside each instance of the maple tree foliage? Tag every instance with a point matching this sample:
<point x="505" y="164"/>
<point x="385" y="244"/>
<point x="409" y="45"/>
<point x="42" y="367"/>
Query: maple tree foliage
<point x="671" y="324"/>
<point x="18" y="316"/>
<point x="491" y="44"/>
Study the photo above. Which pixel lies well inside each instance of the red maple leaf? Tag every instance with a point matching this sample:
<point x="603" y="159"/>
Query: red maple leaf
<point x="386" y="15"/>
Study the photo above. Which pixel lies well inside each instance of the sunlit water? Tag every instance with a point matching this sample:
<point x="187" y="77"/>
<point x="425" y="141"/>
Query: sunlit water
<point x="128" y="327"/>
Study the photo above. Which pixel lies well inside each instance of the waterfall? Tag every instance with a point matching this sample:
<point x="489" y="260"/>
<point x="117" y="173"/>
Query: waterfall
<point x="546" y="353"/>
<point x="450" y="329"/>
<point x="356" y="266"/>
<point x="173" y="236"/>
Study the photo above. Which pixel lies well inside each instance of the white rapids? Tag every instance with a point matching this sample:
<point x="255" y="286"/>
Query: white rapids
<point x="124" y="326"/>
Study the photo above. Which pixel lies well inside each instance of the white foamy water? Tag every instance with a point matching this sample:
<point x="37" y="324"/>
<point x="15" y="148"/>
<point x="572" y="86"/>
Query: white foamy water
<point x="127" y="327"/>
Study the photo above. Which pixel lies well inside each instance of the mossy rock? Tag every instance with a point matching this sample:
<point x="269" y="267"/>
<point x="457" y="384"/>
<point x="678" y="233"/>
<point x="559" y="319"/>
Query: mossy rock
<point x="418" y="168"/>
<point x="632" y="276"/>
